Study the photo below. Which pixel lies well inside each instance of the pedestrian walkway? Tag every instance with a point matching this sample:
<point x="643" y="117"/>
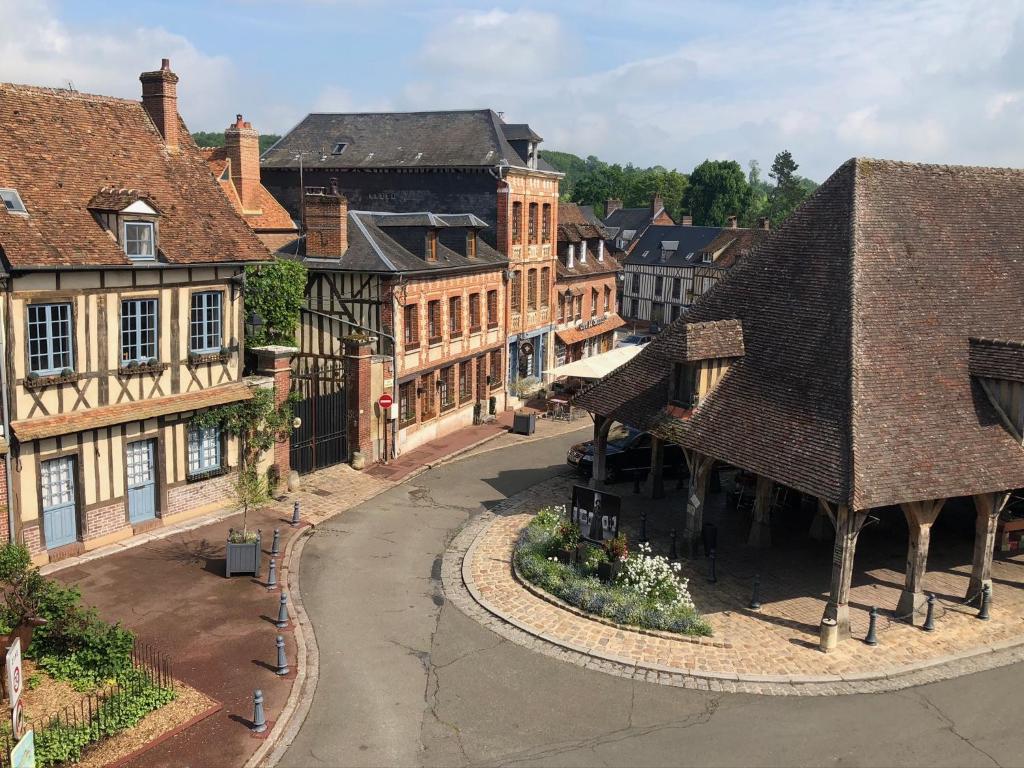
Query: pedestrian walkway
<point x="773" y="646"/>
<point x="429" y="454"/>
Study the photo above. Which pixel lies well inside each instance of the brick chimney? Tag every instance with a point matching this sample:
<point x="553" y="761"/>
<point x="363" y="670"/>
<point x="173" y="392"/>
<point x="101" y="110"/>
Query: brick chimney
<point x="326" y="223"/>
<point x="656" y="204"/>
<point x="686" y="221"/>
<point x="160" y="100"/>
<point x="242" y="146"/>
<point x="730" y="222"/>
<point x="611" y="204"/>
<point x="764" y="223"/>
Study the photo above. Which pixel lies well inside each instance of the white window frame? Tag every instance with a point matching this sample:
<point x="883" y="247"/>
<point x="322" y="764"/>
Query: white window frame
<point x="144" y="225"/>
<point x="206" y="322"/>
<point x="205" y="454"/>
<point x="12" y="201"/>
<point x="47" y="318"/>
<point x="139" y="344"/>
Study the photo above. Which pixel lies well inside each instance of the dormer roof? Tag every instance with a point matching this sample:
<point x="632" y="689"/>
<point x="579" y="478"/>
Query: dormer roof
<point x="121" y="200"/>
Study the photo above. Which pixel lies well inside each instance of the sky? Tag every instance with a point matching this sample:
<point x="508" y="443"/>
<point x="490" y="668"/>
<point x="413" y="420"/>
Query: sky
<point x="666" y="83"/>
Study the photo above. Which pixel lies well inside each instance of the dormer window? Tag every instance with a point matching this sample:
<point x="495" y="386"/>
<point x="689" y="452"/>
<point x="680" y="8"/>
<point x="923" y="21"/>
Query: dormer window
<point x="684" y="391"/>
<point x="706" y="257"/>
<point x="139" y="240"/>
<point x="339" y="147"/>
<point x="12" y="201"/>
<point x="431" y="249"/>
<point x="471" y="244"/>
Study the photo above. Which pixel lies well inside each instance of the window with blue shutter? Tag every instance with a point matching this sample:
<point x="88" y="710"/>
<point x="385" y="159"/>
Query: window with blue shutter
<point x="49" y="339"/>
<point x="205" y="322"/>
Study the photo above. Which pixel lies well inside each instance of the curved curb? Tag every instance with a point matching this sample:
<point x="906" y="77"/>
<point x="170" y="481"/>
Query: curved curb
<point x="307" y="655"/>
<point x="463" y="548"/>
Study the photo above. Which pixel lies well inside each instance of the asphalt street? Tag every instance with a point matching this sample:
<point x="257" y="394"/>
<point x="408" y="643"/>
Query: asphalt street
<point x="406" y="679"/>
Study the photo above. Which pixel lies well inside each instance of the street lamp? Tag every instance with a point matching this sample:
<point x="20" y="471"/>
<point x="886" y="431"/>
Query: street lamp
<point x="253" y="323"/>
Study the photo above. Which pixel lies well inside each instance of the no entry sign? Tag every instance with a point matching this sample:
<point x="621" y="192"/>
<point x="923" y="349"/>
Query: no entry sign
<point x="385" y="401"/>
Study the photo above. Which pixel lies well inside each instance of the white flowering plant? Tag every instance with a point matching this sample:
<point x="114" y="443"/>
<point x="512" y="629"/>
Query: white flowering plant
<point x="655" y="578"/>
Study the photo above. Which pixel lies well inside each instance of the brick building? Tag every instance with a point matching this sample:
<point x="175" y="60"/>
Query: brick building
<point x="432" y="288"/>
<point x="587" y="277"/>
<point x="450" y="162"/>
<point x="123" y="315"/>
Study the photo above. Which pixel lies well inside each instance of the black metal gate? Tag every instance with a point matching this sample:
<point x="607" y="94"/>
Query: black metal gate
<point x="320" y="441"/>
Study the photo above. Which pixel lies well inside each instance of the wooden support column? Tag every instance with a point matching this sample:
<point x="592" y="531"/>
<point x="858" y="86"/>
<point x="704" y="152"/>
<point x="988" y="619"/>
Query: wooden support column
<point x="847" y="525"/>
<point x="761" y="527"/>
<point x="920" y="516"/>
<point x="657" y="468"/>
<point x="601" y="426"/>
<point x="700" y="475"/>
<point x="988" y="507"/>
<point x="821" y="525"/>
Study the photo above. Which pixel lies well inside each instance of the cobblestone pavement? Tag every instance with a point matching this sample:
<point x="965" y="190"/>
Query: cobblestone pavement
<point x="771" y="651"/>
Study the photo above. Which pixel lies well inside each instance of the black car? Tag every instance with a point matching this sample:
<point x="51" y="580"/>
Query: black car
<point x="629" y="451"/>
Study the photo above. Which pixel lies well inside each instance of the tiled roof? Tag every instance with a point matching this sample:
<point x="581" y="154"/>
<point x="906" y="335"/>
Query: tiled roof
<point x="269" y="214"/>
<point x="109" y="415"/>
<point x="574" y="226"/>
<point x="63" y="147"/>
<point x="114" y="199"/>
<point x="706" y="341"/>
<point x="575" y="335"/>
<point x="855" y="385"/>
<point x="996" y="359"/>
<point x="461" y="139"/>
<point x="731" y="244"/>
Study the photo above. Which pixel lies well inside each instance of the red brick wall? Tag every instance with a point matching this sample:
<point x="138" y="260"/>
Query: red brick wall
<point x="32" y="539"/>
<point x="184" y="498"/>
<point x="5" y="531"/>
<point x="104" y="520"/>
<point x="358" y="397"/>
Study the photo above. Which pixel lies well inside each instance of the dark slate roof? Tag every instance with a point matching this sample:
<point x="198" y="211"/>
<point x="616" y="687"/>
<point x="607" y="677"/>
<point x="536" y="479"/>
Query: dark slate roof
<point x="393" y="243"/>
<point x="629" y="218"/>
<point x="731" y="244"/>
<point x="855" y="382"/>
<point x="461" y="139"/>
<point x="996" y="359"/>
<point x="519" y="132"/>
<point x="690" y="243"/>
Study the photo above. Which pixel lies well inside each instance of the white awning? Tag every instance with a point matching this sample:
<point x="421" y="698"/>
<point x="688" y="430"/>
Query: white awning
<point x="596" y="366"/>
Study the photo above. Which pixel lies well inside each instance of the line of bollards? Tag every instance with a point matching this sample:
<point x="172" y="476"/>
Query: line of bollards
<point x="272" y="576"/>
<point x="755" y="598"/>
<point x="929" y="618"/>
<point x="259" y="719"/>
<point x="986" y="603"/>
<point x="275" y="548"/>
<point x="872" y="636"/>
<point x="282" y="660"/>
<point x="282" y="612"/>
<point x="295" y="515"/>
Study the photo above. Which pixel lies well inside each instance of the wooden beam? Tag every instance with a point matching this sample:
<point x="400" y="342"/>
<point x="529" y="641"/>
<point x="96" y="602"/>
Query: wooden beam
<point x="848" y="525"/>
<point x="700" y="475"/>
<point x="761" y="526"/>
<point x="920" y="516"/>
<point x="657" y="489"/>
<point x="988" y="507"/>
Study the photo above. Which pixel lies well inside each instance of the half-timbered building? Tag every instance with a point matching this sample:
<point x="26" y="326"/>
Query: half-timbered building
<point x="627" y="225"/>
<point x="427" y="292"/>
<point x="586" y="281"/>
<point x="670" y="266"/>
<point x="122" y="315"/>
<point x="882" y="383"/>
<point x="457" y="162"/>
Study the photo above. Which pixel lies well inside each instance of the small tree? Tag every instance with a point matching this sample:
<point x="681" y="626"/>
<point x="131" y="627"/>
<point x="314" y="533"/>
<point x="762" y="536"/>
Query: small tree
<point x="257" y="423"/>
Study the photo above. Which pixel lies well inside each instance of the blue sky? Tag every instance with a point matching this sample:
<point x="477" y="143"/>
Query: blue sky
<point x="663" y="82"/>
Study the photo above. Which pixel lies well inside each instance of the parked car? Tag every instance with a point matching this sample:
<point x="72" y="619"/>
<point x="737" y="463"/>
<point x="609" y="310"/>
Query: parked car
<point x="629" y="451"/>
<point x="634" y="340"/>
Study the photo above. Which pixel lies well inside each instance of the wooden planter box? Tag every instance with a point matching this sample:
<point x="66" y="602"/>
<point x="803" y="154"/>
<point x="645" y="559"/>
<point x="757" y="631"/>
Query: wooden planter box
<point x="243" y="557"/>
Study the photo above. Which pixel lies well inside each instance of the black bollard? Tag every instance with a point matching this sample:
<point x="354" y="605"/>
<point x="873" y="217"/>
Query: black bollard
<point x="272" y="577"/>
<point x="259" y="719"/>
<point x="673" y="553"/>
<point x="712" y="575"/>
<point x="929" y="619"/>
<point x="872" y="636"/>
<point x="275" y="548"/>
<point x="282" y="612"/>
<point x="282" y="661"/>
<point x="643" y="527"/>
<point x="986" y="603"/>
<point x="295" y="515"/>
<point x="636" y="481"/>
<point x="755" y="599"/>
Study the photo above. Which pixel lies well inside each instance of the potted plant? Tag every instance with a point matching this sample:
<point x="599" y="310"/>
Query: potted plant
<point x="617" y="550"/>
<point x="244" y="546"/>
<point x="592" y="559"/>
<point x="566" y="541"/>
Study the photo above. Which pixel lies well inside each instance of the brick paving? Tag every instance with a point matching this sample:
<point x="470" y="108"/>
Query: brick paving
<point x="763" y="650"/>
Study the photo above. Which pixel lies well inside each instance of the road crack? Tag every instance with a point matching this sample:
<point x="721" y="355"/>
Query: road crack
<point x="950" y="725"/>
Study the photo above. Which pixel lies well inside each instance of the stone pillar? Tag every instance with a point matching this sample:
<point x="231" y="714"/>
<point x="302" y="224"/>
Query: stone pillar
<point x="358" y="397"/>
<point x="657" y="489"/>
<point x="835" y="623"/>
<point x="988" y="507"/>
<point x="601" y="426"/>
<point x="700" y="475"/>
<point x="920" y="516"/>
<point x="275" y="362"/>
<point x="761" y="527"/>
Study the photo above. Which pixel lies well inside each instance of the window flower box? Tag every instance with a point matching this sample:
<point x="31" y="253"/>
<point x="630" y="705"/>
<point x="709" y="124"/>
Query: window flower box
<point x="139" y="369"/>
<point x="35" y="381"/>
<point x="205" y="358"/>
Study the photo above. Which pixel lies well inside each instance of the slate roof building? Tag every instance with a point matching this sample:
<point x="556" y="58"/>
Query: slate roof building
<point x="431" y="290"/>
<point x="123" y="315"/>
<point x="586" y="281"/>
<point x="627" y="225"/>
<point x="458" y="162"/>
<point x="887" y="372"/>
<point x="670" y="265"/>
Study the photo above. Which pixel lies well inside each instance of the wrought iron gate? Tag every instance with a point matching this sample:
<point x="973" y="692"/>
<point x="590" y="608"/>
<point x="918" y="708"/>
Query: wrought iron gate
<point x="320" y="441"/>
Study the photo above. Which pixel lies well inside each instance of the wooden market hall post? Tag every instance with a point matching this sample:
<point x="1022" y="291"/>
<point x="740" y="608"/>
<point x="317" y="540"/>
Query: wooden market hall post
<point x="835" y="623"/>
<point x="761" y="527"/>
<point x="920" y="516"/>
<point x="988" y="507"/>
<point x="601" y="426"/>
<point x="657" y="490"/>
<point x="700" y="475"/>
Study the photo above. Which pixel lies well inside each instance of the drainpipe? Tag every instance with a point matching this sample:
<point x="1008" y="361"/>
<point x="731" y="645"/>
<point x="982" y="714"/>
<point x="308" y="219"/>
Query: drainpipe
<point x="394" y="367"/>
<point x="5" y="404"/>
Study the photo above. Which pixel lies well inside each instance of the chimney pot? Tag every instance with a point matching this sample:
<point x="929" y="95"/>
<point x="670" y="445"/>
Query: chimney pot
<point x="731" y="222"/>
<point x="160" y="100"/>
<point x="765" y="223"/>
<point x="612" y="204"/>
<point x="165" y="65"/>
<point x="686" y="221"/>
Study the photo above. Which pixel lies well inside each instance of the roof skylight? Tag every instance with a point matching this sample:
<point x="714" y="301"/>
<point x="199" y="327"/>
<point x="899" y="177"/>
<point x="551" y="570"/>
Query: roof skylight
<point x="12" y="201"/>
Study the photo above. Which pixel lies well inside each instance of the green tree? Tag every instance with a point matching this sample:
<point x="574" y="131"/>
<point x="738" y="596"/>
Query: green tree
<point x="717" y="189"/>
<point x="276" y="292"/>
<point x="216" y="139"/>
<point x="759" y="191"/>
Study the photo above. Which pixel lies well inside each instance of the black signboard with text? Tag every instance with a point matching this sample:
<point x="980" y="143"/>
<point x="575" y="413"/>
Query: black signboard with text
<point x="595" y="512"/>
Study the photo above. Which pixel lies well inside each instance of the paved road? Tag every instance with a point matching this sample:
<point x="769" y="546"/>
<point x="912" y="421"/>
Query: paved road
<point x="408" y="680"/>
